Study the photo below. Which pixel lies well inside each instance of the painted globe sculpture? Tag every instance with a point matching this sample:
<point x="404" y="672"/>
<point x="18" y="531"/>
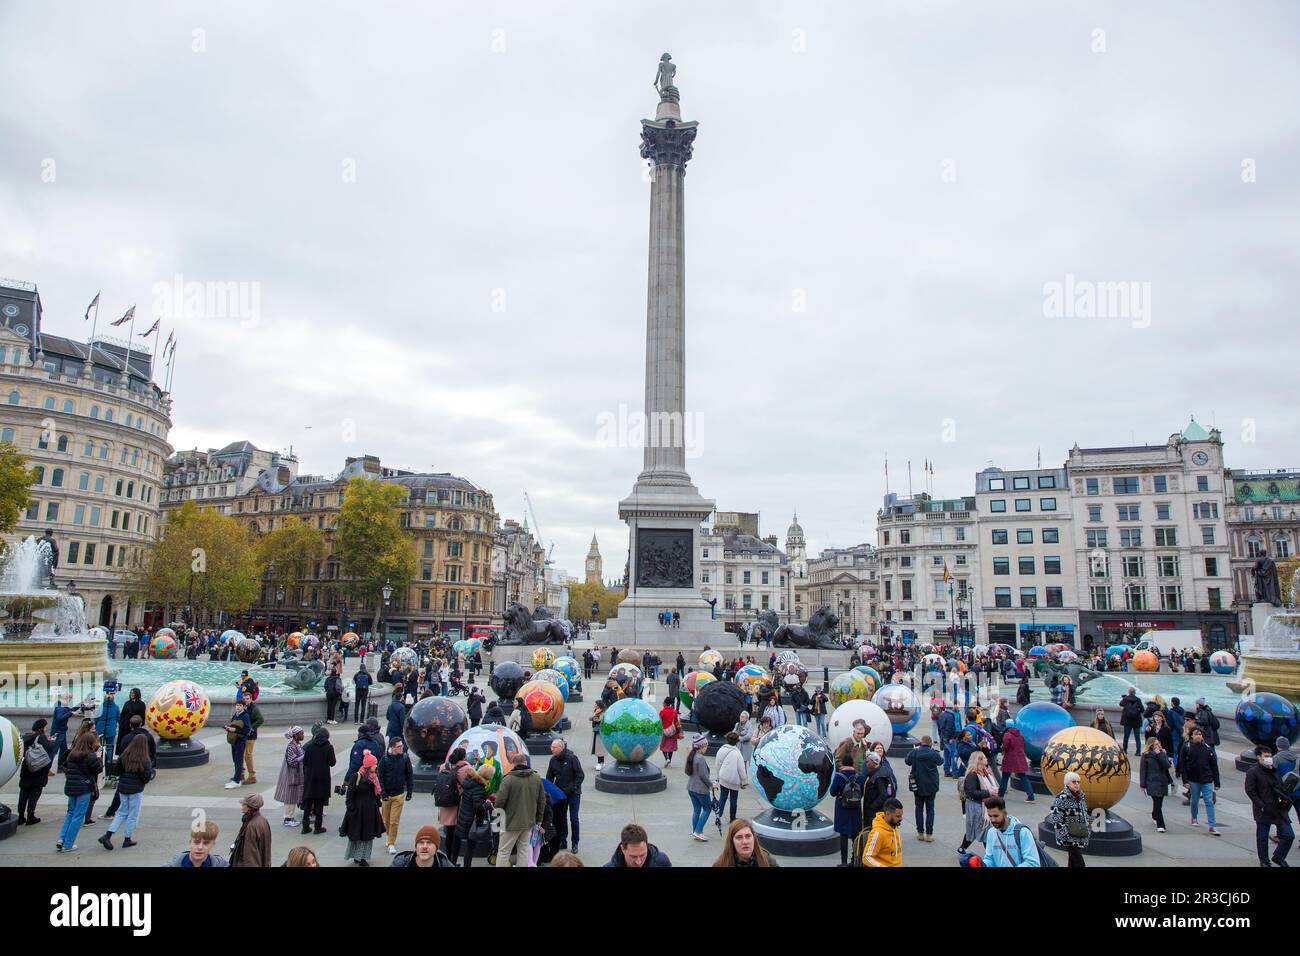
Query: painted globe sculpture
<point x="692" y="684"/>
<point x="177" y="710"/>
<point x="569" y="667"/>
<point x="1146" y="662"/>
<point x="294" y="640"/>
<point x="490" y="746"/>
<point x="228" y="636"/>
<point x="351" y="639"/>
<point x="880" y="729"/>
<point x="631" y="730"/>
<point x="628" y="655"/>
<point x="710" y="659"/>
<point x="627" y="676"/>
<point x="1222" y="662"/>
<point x="1264" y="717"/>
<point x="1038" y="723"/>
<point x="851" y="685"/>
<point x="460" y="647"/>
<point x="99" y="632"/>
<point x="933" y="662"/>
<point x="473" y="645"/>
<point x="750" y="677"/>
<point x="792" y="673"/>
<point x="718" y="706"/>
<point x="1039" y="651"/>
<point x="1115" y="650"/>
<point x="248" y="650"/>
<point x="431" y="726"/>
<point x="404" y="657"/>
<point x="901" y="706"/>
<point x="867" y="650"/>
<point x="868" y="671"/>
<point x="1097" y="758"/>
<point x="552" y="676"/>
<point x="1066" y="657"/>
<point x="544" y="702"/>
<point x="163" y="645"/>
<point x="543" y="658"/>
<point x="793" y="768"/>
<point x="507" y="677"/>
<point x="11" y="750"/>
<point x="311" y="640"/>
<point x="786" y="656"/>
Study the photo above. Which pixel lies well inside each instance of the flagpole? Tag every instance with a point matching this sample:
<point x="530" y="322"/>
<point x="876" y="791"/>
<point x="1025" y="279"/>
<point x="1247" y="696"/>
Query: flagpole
<point x="90" y="355"/>
<point x="171" y="365"/>
<point x="129" y="336"/>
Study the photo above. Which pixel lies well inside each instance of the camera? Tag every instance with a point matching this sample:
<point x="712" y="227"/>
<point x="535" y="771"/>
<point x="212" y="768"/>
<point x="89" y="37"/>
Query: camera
<point x="112" y="686"/>
<point x="340" y="790"/>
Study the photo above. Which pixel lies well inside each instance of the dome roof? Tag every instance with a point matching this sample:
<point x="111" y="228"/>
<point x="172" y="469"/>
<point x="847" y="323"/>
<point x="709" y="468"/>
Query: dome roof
<point x="1195" y="432"/>
<point x="794" y="531"/>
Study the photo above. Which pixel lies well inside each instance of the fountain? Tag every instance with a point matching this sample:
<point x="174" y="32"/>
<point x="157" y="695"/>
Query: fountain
<point x="43" y="631"/>
<point x="1273" y="662"/>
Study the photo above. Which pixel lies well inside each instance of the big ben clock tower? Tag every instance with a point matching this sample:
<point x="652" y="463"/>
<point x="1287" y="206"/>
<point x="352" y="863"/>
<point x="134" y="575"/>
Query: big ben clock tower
<point x="593" y="562"/>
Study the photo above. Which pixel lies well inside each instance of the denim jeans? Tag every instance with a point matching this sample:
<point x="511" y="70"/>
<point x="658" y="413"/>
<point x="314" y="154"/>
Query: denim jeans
<point x="725" y="795"/>
<point x="821" y="725"/>
<point x="1024" y="779"/>
<point x="72" y="823"/>
<point x="801" y="718"/>
<point x="925" y="814"/>
<point x="237" y="755"/>
<point x="128" y="812"/>
<point x="701" y="804"/>
<point x="1286" y="835"/>
<point x="1178" y="745"/>
<point x="950" y="758"/>
<point x="1137" y="739"/>
<point x="1205" y="790"/>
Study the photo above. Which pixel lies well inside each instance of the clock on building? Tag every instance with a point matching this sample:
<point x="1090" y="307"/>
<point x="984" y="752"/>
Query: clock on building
<point x="1200" y="458"/>
<point x="11" y="310"/>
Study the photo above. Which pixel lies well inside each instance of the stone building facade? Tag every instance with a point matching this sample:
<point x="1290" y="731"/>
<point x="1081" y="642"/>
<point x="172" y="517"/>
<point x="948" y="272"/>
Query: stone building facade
<point x="1263" y="517"/>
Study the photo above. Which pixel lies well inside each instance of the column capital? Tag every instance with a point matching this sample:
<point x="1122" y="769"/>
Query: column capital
<point x="668" y="143"/>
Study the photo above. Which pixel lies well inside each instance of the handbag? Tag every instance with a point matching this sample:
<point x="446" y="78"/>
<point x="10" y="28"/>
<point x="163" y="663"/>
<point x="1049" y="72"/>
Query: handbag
<point x="1077" y="827"/>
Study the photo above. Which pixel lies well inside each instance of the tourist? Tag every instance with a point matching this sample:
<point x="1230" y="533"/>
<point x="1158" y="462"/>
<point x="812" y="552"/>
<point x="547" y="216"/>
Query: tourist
<point x="301" y="856"/>
<point x="474" y="706"/>
<point x="1177" y="717"/>
<point x="426" y="852"/>
<point x="977" y="786"/>
<point x="237" y="730"/>
<point x="522" y="802"/>
<point x="733" y="773"/>
<point x="699" y="787"/>
<point x="747" y="731"/>
<point x="854" y="747"/>
<point x="948" y="740"/>
<point x="1068" y="816"/>
<point x="597" y="744"/>
<point x="135" y="772"/>
<point x="1099" y="722"/>
<point x="317" y="759"/>
<point x="288" y="787"/>
<point x="680" y="665"/>
<point x="80" y="785"/>
<point x="106" y="725"/>
<point x="611" y="693"/>
<point x="1007" y="841"/>
<point x="34" y="770"/>
<point x="347" y="691"/>
<point x="1270" y="805"/>
<point x="471" y="829"/>
<point x="740" y="847"/>
<point x="494" y="714"/>
<point x="1014" y="762"/>
<point x="253" y="843"/>
<point x="362" y="820"/>
<point x="925" y="762"/>
<point x="1208" y="721"/>
<point x="59" y="725"/>
<point x="134" y="729"/>
<point x="884" y="846"/>
<point x="846" y="788"/>
<point x="1158" y="728"/>
<point x="397" y="786"/>
<point x="565" y="771"/>
<point x="134" y="707"/>
<point x="1199" y="768"/>
<point x="361" y="680"/>
<point x="672" y="731"/>
<point x="635" y="850"/>
<point x="1130" y="719"/>
<point x="674" y="682"/>
<point x="773" y="712"/>
<point x="395" y="714"/>
<point x="203" y="836"/>
<point x="333" y="694"/>
<point x="369" y="740"/>
<point x="1154" y="779"/>
<point x="1022" y="690"/>
<point x="255" y="720"/>
<point x="820" y="707"/>
<point x="566" y="859"/>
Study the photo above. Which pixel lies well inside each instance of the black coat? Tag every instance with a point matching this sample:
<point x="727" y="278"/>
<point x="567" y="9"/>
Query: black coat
<point x="474" y="706"/>
<point x="132" y="783"/>
<point x="362" y="820"/>
<point x="131" y="735"/>
<point x="1268" y="801"/>
<point x="1130" y="711"/>
<point x="473" y="801"/>
<point x="79" y="775"/>
<point x="317" y="758"/>
<point x="130" y="709"/>
<point x="1197" y="764"/>
<point x="28" y="779"/>
<point x="396" y="776"/>
<point x="1153" y="774"/>
<point x="565" y="771"/>
<point x="925" y="763"/>
<point x="407" y="858"/>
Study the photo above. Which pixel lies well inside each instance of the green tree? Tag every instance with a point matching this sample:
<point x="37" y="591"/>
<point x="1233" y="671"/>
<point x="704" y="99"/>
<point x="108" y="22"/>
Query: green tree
<point x="582" y="595"/>
<point x="372" y="546"/>
<point x="289" y="553"/>
<point x="15" y="481"/>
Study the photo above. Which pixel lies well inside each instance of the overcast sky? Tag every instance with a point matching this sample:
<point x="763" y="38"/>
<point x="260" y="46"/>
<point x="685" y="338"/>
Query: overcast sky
<point x="444" y="215"/>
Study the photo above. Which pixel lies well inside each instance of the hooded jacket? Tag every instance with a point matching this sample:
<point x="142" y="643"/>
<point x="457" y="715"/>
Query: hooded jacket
<point x="522" y="799"/>
<point x="883" y="847"/>
<point x="396" y="776"/>
<point x="367" y="740"/>
<point x="655" y="857"/>
<point x="732" y="771"/>
<point x="1013" y="752"/>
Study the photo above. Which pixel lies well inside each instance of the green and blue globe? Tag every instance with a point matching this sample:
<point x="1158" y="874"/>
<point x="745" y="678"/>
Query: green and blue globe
<point x="793" y="768"/>
<point x="567" y="666"/>
<point x="631" y="730"/>
<point x="554" y="676"/>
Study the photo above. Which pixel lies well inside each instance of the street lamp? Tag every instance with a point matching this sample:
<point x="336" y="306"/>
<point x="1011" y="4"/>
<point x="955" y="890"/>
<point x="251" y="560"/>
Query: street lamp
<point x="388" y="594"/>
<point x="279" y="597"/>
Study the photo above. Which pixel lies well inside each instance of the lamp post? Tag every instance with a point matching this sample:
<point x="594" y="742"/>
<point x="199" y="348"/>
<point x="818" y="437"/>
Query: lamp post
<point x="279" y="597"/>
<point x="383" y="627"/>
<point x="952" y="608"/>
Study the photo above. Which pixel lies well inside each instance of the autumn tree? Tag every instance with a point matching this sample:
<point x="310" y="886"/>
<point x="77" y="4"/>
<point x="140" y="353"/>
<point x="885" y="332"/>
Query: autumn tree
<point x="373" y="548"/>
<point x="582" y="595"/>
<point x="290" y="552"/>
<point x="15" y="481"/>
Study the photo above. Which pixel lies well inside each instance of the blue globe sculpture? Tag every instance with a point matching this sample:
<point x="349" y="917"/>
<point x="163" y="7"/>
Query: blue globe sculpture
<point x="872" y="673"/>
<point x="1038" y="651"/>
<point x="901" y="706"/>
<point x="556" y="677"/>
<point x="1038" y="723"/>
<point x="1264" y="717"/>
<point x="1115" y="650"/>
<point x="793" y="768"/>
<point x="631" y="730"/>
<point x="568" y="666"/>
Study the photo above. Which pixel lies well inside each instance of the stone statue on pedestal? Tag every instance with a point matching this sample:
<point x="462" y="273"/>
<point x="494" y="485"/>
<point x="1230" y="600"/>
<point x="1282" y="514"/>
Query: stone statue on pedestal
<point x="1267" y="590"/>
<point x="663" y="81"/>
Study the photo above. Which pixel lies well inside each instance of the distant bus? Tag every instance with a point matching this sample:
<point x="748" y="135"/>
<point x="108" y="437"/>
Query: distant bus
<point x="484" y="631"/>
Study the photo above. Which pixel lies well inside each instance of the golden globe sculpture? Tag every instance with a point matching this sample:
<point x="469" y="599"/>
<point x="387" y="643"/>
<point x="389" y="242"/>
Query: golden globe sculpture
<point x="1100" y="762"/>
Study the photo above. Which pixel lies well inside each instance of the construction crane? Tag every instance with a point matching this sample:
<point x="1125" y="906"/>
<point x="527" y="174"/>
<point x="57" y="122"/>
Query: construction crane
<point x="537" y="529"/>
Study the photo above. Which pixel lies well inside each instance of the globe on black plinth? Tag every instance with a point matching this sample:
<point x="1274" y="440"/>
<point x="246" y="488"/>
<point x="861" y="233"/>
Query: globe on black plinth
<point x="507" y="677"/>
<point x="431" y="727"/>
<point x="718" y="706"/>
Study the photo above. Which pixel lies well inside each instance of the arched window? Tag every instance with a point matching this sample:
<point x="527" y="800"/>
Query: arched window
<point x="62" y="443"/>
<point x="454" y="524"/>
<point x="67" y="405"/>
<point x="99" y="484"/>
<point x="40" y="475"/>
<point x="7" y="435"/>
<point x="83" y="481"/>
<point x="1254" y="546"/>
<point x="56" y="478"/>
<point x="14" y="397"/>
<point x="49" y="402"/>
<point x="108" y="414"/>
<point x="103" y="450"/>
<point x="128" y="420"/>
<point x="94" y="411"/>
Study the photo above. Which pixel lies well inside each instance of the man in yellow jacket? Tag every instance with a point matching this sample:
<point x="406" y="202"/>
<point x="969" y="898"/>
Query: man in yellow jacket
<point x="884" y="847"/>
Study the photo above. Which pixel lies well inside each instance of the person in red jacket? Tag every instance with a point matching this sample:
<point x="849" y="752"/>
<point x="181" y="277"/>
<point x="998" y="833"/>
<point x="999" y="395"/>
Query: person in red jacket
<point x="1014" y="762"/>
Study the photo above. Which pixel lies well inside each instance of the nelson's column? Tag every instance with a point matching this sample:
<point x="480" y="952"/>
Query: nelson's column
<point x="665" y="509"/>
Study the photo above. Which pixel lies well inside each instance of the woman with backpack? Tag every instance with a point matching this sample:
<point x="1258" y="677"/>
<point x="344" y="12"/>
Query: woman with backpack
<point x="976" y="787"/>
<point x="847" y="791"/>
<point x="672" y="731"/>
<point x="39" y="751"/>
<point x="1069" y="818"/>
<point x="136" y="772"/>
<point x="80" y="786"/>
<point x="447" y="797"/>
<point x="288" y="787"/>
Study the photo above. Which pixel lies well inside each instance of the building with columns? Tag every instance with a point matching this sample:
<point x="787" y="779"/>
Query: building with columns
<point x="518" y="566"/>
<point x="93" y="424"/>
<point x="744" y="573"/>
<point x="1263" y="518"/>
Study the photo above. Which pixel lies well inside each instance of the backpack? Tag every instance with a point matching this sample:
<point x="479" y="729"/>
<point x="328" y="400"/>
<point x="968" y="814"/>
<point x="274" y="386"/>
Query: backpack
<point x="851" y="795"/>
<point x="446" y="791"/>
<point x="1044" y="860"/>
<point x="37" y="757"/>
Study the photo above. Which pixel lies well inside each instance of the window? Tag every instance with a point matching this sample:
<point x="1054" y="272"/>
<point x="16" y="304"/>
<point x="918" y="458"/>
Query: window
<point x="94" y="411"/>
<point x="94" y="516"/>
<point x="1093" y="488"/>
<point x="48" y="404"/>
<point x="1051" y="536"/>
<point x="1094" y="512"/>
<point x="14" y="397"/>
<point x="936" y="536"/>
<point x="1001" y="565"/>
<point x="904" y="537"/>
<point x="961" y="534"/>
<point x="1130" y="537"/>
<point x="1020" y="484"/>
<point x="1254" y="547"/>
<point x="1097" y="539"/>
<point x="79" y="514"/>
<point x="1126" y="486"/>
<point x="997" y="484"/>
<point x="1002" y="597"/>
<point x="7" y="435"/>
<point x="889" y="591"/>
<point x="1024" y="504"/>
<point x="1282" y="547"/>
<point x="1029" y="597"/>
<point x="89" y="556"/>
<point x="940" y="590"/>
<point x="74" y="552"/>
<point x="56" y="478"/>
<point x="1101" y="597"/>
<point x="1046" y="504"/>
<point x="961" y="560"/>
<point x="1129" y="512"/>
<point x="999" y="535"/>
<point x="1025" y="565"/>
<point x="905" y="562"/>
<point x="51" y="511"/>
<point x="108" y="414"/>
<point x="728" y="577"/>
<point x="1211" y="567"/>
<point x="1052" y="564"/>
<point x="1132" y="566"/>
<point x="1166" y="537"/>
<point x="108" y="556"/>
<point x="1171" y="597"/>
<point x="704" y="577"/>
<point x="1161" y="484"/>
<point x="33" y="511"/>
<point x="1135" y="597"/>
<point x="1162" y="512"/>
<point x="937" y="560"/>
<point x="886" y="541"/>
<point x="1202" y="482"/>
<point x="998" y="505"/>
<point x="1055" y="597"/>
<point x="38" y="473"/>
<point x="745" y="577"/>
<point x="1024" y="536"/>
<point x="1207" y="534"/>
<point x="1205" y="509"/>
<point x="1216" y="600"/>
<point x="99" y="484"/>
<point x="907" y="590"/>
<point x="1167" y="565"/>
<point x="1046" y="481"/>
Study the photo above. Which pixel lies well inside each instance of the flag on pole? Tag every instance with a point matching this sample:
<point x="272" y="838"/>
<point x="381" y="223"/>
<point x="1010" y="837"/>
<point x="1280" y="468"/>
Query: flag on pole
<point x="130" y="315"/>
<point x="170" y="336"/>
<point x="94" y="304"/>
<point x="152" y="329"/>
<point x="946" y="574"/>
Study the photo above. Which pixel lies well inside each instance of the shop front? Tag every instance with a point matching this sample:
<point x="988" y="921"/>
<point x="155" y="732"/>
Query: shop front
<point x="1045" y="633"/>
<point x="1102" y="629"/>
